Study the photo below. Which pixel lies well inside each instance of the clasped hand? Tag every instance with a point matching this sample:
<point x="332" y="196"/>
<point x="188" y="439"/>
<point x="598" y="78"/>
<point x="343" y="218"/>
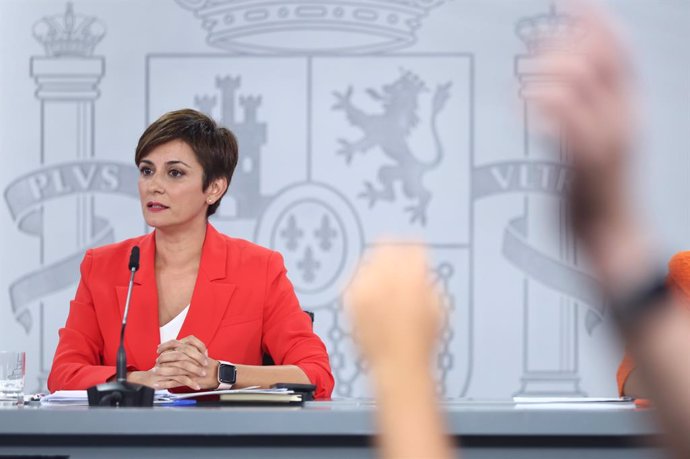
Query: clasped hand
<point x="183" y="362"/>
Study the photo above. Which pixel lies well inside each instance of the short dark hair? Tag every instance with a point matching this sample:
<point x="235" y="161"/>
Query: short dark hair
<point x="214" y="146"/>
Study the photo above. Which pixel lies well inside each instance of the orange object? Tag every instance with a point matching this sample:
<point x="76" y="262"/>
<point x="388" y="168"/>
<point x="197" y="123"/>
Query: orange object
<point x="243" y="305"/>
<point x="642" y="403"/>
<point x="678" y="280"/>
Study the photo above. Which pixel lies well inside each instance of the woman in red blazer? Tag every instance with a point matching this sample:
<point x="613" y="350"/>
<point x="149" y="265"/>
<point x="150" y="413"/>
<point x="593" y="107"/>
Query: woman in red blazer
<point x="237" y="298"/>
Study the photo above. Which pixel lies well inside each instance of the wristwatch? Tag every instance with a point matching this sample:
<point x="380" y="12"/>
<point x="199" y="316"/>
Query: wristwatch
<point x="227" y="375"/>
<point x="633" y="309"/>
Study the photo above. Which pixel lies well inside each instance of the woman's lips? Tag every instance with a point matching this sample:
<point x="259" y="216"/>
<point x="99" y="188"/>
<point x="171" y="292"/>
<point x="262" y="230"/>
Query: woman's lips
<point x="155" y="206"/>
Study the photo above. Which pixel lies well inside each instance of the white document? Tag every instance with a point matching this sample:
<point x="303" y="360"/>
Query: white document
<point x="169" y="396"/>
<point x="572" y="399"/>
<point x="79" y="397"/>
<point x="574" y="403"/>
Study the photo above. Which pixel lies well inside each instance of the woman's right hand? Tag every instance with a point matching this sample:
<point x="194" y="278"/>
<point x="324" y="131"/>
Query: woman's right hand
<point x="156" y="381"/>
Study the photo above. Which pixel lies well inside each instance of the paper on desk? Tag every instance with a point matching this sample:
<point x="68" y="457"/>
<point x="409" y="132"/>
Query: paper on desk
<point x="79" y="397"/>
<point x="170" y="396"/>
<point x="66" y="397"/>
<point x="572" y="399"/>
<point x="576" y="406"/>
<point x="573" y="403"/>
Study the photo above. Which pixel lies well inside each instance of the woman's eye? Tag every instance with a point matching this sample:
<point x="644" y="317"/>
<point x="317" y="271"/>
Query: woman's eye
<point x="145" y="171"/>
<point x="176" y="173"/>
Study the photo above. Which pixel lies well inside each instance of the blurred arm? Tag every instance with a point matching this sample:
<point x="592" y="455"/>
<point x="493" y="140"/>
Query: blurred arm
<point x="396" y="318"/>
<point x="595" y="111"/>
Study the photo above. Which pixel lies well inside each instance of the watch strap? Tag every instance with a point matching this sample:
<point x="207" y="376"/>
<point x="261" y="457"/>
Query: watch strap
<point x="632" y="310"/>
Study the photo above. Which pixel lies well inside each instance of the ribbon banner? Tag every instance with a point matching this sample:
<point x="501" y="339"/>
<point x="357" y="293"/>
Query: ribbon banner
<point x="27" y="194"/>
<point x="550" y="178"/>
<point x="548" y="270"/>
<point x="545" y="177"/>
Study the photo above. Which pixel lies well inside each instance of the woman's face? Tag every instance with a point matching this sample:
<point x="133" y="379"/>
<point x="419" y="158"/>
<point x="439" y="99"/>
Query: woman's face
<point x="170" y="186"/>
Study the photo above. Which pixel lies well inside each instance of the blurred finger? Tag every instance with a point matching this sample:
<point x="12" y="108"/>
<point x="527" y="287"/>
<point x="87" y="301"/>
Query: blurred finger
<point x="602" y="42"/>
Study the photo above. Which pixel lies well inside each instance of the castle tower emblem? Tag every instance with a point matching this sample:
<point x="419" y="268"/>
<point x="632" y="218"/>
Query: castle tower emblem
<point x="244" y="199"/>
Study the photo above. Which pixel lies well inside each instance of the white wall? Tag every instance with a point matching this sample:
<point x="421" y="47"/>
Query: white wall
<point x="519" y="319"/>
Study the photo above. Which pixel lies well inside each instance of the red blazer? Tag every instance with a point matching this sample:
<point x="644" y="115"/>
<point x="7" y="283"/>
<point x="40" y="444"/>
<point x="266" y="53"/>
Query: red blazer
<point x="243" y="305"/>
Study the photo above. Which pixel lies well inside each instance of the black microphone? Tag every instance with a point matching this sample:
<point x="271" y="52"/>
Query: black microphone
<point x="134" y="259"/>
<point x="121" y="392"/>
<point x="121" y="355"/>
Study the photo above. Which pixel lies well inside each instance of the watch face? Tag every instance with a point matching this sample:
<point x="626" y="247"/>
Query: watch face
<point x="227" y="373"/>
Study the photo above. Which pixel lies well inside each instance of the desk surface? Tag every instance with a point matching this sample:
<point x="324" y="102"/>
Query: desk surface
<point x="346" y="417"/>
<point x="336" y="430"/>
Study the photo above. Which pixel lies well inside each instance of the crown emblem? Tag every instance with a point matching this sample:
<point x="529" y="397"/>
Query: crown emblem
<point x="69" y="34"/>
<point x="551" y="32"/>
<point x="352" y="26"/>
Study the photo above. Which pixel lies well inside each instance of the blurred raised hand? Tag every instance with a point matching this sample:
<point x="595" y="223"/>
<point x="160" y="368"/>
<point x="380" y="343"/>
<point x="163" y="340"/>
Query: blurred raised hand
<point x="394" y="307"/>
<point x="396" y="315"/>
<point x="594" y="109"/>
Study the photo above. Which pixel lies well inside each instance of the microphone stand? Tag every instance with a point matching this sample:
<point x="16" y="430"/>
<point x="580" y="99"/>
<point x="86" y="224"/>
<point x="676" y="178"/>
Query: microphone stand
<point x="120" y="392"/>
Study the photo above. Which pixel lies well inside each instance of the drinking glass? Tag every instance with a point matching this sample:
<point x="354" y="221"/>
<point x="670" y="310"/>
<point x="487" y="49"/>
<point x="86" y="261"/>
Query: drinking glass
<point x="12" y="371"/>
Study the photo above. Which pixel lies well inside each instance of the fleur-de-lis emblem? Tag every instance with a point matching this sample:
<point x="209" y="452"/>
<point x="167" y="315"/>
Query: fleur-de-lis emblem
<point x="326" y="233"/>
<point x="292" y="234"/>
<point x="309" y="265"/>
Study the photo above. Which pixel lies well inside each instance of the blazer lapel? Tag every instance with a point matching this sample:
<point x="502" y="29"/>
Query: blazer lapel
<point x="212" y="291"/>
<point x="142" y="334"/>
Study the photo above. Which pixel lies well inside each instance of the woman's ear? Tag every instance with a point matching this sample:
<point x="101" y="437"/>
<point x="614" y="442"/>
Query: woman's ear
<point x="217" y="188"/>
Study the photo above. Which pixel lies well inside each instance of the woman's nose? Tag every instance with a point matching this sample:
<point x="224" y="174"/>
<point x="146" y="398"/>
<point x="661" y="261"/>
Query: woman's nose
<point x="155" y="184"/>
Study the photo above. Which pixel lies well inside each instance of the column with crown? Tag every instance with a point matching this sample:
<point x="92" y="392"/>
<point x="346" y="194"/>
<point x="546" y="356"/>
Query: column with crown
<point x="550" y="360"/>
<point x="67" y="79"/>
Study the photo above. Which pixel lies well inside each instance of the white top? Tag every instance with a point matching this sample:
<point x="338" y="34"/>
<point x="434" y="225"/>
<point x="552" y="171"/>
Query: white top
<point x="172" y="329"/>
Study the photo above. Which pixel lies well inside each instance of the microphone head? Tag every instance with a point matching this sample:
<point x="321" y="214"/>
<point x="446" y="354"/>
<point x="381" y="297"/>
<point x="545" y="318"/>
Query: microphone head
<point x="134" y="259"/>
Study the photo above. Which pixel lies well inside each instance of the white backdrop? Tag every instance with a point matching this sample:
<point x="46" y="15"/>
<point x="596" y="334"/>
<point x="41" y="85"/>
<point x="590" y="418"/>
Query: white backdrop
<point x="356" y="119"/>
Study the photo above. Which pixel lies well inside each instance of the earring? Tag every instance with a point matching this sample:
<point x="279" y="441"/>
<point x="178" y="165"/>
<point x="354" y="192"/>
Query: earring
<point x="210" y="201"/>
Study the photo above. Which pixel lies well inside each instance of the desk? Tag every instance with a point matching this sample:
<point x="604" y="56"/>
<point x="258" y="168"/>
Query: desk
<point x="333" y="430"/>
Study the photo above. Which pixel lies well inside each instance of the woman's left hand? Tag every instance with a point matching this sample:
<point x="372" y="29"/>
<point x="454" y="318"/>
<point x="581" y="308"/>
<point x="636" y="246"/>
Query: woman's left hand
<point x="189" y="357"/>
